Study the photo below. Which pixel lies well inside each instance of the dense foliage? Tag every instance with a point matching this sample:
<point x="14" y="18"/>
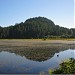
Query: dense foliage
<point x="66" y="68"/>
<point x="38" y="27"/>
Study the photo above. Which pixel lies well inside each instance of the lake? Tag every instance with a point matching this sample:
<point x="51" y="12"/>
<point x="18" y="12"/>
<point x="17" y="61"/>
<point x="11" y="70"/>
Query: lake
<point x="14" y="63"/>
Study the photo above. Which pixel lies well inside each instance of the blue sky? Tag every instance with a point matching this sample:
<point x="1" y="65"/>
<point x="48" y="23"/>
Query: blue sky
<point x="16" y="11"/>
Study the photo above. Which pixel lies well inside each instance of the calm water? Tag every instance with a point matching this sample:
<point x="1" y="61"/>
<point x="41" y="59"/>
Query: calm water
<point x="14" y="63"/>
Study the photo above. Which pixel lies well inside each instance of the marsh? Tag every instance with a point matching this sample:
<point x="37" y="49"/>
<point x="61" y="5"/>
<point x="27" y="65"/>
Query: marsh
<point x="32" y="56"/>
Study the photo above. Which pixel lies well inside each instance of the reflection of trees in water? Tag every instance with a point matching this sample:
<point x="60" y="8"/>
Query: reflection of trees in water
<point x="38" y="54"/>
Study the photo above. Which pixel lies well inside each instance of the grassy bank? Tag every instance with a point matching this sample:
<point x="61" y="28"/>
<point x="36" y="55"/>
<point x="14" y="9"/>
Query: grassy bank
<point x="36" y="43"/>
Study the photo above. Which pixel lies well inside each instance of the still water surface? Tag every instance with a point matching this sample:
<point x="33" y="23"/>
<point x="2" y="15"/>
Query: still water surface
<point x="16" y="64"/>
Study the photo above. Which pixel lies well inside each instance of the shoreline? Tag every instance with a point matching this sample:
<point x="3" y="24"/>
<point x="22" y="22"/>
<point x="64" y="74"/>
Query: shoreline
<point x="35" y="43"/>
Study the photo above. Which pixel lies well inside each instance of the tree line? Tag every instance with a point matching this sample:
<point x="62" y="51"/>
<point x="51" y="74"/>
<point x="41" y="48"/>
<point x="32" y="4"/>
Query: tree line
<point x="37" y="27"/>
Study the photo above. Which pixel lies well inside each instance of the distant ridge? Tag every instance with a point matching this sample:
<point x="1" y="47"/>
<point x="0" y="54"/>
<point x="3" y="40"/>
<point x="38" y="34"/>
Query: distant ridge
<point x="37" y="27"/>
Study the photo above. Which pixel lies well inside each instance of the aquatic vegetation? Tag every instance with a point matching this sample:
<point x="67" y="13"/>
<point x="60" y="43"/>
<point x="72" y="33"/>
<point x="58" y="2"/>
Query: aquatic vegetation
<point x="67" y="67"/>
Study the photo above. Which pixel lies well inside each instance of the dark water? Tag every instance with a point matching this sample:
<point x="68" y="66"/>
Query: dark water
<point x="16" y="64"/>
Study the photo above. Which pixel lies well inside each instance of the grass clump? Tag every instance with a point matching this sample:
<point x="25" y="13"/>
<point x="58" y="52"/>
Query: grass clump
<point x="67" y="67"/>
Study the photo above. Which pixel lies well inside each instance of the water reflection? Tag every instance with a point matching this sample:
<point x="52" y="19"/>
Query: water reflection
<point x="18" y="63"/>
<point x="37" y="54"/>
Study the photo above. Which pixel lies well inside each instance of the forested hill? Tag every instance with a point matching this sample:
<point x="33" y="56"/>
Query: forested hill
<point x="38" y="27"/>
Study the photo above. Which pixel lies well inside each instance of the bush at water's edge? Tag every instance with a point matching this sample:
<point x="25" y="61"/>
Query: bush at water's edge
<point x="67" y="67"/>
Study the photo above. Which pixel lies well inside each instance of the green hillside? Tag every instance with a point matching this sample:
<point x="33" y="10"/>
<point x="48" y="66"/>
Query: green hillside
<point x="38" y="27"/>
